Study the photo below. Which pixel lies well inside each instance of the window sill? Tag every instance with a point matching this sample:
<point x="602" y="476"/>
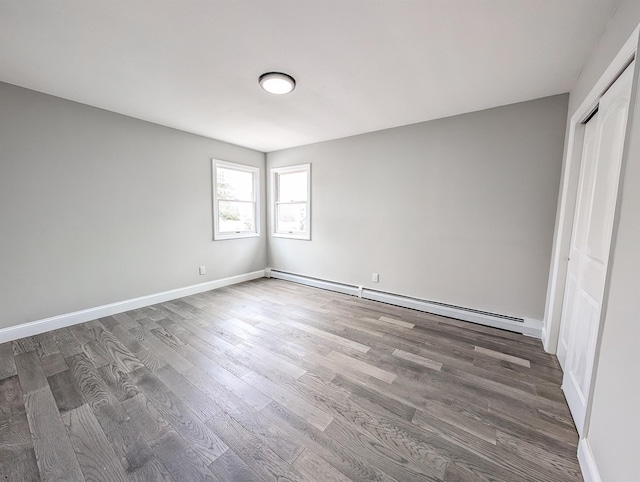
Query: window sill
<point x="303" y="236"/>
<point x="223" y="237"/>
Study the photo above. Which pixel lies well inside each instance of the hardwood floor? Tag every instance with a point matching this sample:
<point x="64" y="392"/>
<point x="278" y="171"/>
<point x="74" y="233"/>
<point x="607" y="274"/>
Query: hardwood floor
<point x="270" y="380"/>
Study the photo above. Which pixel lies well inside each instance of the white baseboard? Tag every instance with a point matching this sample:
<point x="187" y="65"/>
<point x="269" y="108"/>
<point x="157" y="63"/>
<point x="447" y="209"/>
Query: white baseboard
<point x="546" y="342"/>
<point x="587" y="462"/>
<point x="529" y="327"/>
<point x="68" y="319"/>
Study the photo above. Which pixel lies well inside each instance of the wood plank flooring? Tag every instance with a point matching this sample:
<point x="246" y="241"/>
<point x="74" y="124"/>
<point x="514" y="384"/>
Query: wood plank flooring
<point x="270" y="380"/>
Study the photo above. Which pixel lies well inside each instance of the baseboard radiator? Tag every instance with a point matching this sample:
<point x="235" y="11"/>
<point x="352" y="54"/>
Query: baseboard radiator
<point x="526" y="326"/>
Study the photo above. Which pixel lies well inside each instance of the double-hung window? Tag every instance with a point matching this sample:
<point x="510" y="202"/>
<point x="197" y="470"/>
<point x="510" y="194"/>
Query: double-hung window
<point x="235" y="200"/>
<point x="291" y="201"/>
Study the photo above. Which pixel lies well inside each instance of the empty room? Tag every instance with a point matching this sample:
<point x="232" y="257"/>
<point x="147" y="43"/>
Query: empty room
<point x="319" y="240"/>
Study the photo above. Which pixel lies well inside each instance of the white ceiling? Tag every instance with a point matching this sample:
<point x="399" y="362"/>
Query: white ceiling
<point x="361" y="65"/>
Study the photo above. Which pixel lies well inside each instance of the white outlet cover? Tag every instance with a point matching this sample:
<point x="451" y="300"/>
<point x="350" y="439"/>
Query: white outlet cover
<point x="203" y="270"/>
<point x="375" y="277"/>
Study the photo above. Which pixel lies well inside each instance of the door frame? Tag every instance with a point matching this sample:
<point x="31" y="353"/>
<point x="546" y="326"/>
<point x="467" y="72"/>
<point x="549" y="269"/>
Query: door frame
<point x="568" y="194"/>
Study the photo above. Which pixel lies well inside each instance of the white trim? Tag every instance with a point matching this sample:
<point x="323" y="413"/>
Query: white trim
<point x="587" y="462"/>
<point x="67" y="319"/>
<point x="529" y="327"/>
<point x="255" y="172"/>
<point x="273" y="188"/>
<point x="571" y="165"/>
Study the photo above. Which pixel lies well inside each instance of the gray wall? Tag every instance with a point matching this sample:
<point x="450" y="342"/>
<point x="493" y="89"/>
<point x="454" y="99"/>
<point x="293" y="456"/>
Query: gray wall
<point x="614" y="424"/>
<point x="458" y="210"/>
<point x="96" y="208"/>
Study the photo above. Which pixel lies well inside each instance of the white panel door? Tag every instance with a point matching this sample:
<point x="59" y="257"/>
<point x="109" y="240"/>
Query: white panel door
<point x="580" y="226"/>
<point x="590" y="243"/>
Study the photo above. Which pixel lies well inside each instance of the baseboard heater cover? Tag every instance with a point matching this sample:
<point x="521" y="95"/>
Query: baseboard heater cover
<point x="375" y="295"/>
<point x="526" y="326"/>
<point x="316" y="282"/>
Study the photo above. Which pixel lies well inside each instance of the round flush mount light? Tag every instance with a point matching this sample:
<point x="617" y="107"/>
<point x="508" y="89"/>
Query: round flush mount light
<point x="277" y="83"/>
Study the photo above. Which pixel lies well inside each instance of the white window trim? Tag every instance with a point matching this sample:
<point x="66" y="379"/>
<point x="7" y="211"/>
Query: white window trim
<point x="285" y="170"/>
<point x="217" y="235"/>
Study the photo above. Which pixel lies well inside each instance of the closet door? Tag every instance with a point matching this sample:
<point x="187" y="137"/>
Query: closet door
<point x="591" y="241"/>
<point x="580" y="226"/>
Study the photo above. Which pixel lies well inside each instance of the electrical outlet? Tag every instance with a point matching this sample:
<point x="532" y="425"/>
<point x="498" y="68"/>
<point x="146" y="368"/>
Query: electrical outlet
<point x="375" y="277"/>
<point x="203" y="270"/>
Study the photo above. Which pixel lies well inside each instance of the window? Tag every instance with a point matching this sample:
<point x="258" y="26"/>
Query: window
<point x="291" y="201"/>
<point x="235" y="200"/>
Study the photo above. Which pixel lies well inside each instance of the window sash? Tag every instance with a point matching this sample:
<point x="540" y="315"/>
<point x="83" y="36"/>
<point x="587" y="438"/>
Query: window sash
<point x="250" y="198"/>
<point x="279" y="230"/>
<point x="236" y="231"/>
<point x="279" y="176"/>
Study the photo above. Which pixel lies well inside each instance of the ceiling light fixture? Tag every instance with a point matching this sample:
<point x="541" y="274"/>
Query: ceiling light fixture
<point x="277" y="83"/>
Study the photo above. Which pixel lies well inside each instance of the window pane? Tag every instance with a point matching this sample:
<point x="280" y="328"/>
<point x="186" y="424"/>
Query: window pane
<point x="233" y="184"/>
<point x="235" y="216"/>
<point x="292" y="218"/>
<point x="292" y="187"/>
